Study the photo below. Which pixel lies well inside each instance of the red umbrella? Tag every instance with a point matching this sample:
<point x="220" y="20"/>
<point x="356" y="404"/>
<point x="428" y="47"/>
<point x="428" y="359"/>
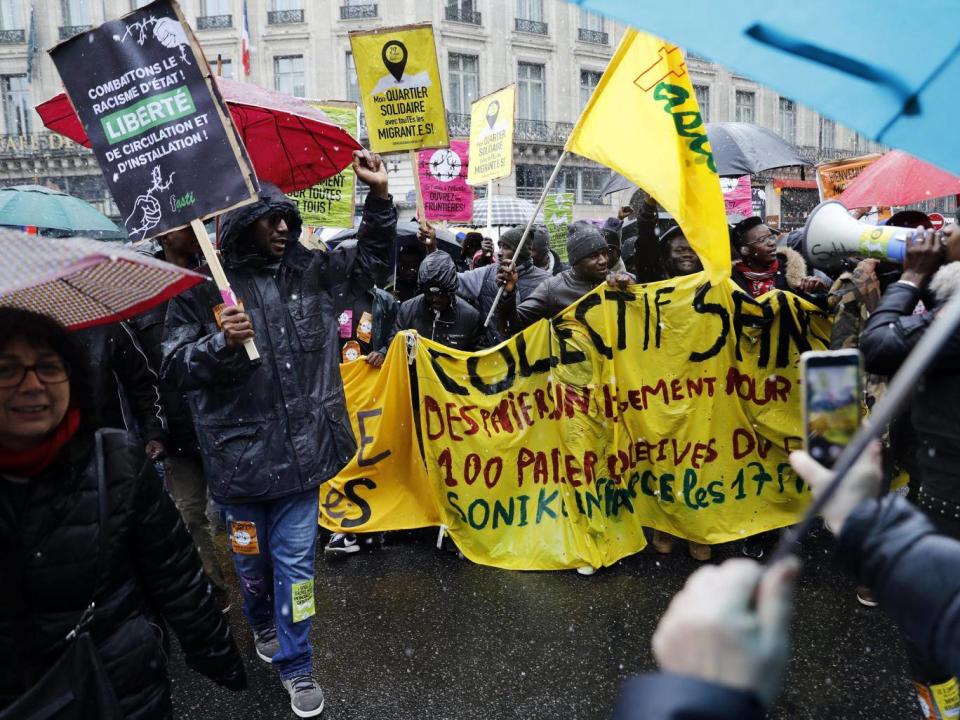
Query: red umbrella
<point x="291" y="143"/>
<point x="899" y="178"/>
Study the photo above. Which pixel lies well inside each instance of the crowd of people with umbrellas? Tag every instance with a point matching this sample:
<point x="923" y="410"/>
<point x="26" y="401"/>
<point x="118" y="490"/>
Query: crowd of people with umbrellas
<point x="120" y="364"/>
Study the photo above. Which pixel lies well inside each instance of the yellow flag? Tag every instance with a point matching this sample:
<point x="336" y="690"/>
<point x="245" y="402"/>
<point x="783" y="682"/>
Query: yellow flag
<point x="644" y="122"/>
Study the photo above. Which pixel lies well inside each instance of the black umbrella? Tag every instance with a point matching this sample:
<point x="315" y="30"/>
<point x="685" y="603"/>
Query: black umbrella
<point x="738" y="149"/>
<point x="406" y="237"/>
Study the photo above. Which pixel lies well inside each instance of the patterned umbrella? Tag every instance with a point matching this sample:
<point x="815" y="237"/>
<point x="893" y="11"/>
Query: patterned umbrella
<point x="80" y="282"/>
<point x="506" y="211"/>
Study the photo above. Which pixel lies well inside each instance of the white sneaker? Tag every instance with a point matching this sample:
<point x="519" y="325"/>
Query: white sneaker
<point x="341" y="544"/>
<point x="306" y="697"/>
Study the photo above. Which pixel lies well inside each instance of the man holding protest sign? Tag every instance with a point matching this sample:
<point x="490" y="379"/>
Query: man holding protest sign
<point x="271" y="433"/>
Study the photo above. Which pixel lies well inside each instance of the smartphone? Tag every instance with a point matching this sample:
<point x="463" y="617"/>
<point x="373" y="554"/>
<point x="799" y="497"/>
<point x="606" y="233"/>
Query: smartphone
<point x="832" y="407"/>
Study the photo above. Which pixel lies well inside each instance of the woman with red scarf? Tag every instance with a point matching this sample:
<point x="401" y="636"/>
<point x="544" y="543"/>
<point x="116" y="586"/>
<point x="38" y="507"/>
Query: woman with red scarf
<point x="89" y="541"/>
<point x="763" y="266"/>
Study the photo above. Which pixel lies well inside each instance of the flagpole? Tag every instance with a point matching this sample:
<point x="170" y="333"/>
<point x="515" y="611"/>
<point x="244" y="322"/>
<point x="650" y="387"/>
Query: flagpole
<point x="526" y="232"/>
<point x="490" y="209"/>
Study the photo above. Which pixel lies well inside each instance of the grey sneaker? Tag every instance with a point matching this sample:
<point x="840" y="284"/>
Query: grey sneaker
<point x="266" y="643"/>
<point x="306" y="697"/>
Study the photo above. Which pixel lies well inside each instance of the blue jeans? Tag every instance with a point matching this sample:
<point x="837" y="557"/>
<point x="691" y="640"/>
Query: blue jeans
<point x="274" y="545"/>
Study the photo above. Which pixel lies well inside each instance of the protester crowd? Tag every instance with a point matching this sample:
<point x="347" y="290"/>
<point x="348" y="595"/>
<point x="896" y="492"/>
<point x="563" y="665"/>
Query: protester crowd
<point x="90" y="542"/>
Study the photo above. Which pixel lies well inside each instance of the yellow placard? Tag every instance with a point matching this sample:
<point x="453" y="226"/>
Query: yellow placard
<point x="673" y="406"/>
<point x="491" y="136"/>
<point x="400" y="88"/>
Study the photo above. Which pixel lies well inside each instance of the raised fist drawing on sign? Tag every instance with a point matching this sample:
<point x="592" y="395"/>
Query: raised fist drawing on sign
<point x="146" y="208"/>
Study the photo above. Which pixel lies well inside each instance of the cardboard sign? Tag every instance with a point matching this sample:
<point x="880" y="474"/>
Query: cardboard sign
<point x="833" y="177"/>
<point x="400" y="88"/>
<point x="331" y="202"/>
<point x="491" y="136"/>
<point x="159" y="129"/>
<point x="443" y="182"/>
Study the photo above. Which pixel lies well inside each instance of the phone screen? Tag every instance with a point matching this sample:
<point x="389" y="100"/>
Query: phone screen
<point x="833" y="407"/>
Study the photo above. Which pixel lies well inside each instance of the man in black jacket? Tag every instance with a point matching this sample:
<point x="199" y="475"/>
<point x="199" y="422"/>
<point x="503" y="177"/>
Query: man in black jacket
<point x="125" y="385"/>
<point x="931" y="272"/>
<point x="479" y="287"/>
<point x="589" y="263"/>
<point x="272" y="432"/>
<point x="437" y="313"/>
<point x="182" y="466"/>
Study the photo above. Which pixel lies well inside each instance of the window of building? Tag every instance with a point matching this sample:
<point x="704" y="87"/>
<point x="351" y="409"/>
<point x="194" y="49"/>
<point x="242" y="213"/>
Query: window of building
<point x="531" y="94"/>
<point x="353" y="85"/>
<point x="16" y="104"/>
<point x="76" y="12"/>
<point x="702" y="93"/>
<point x="584" y="182"/>
<point x="530" y="10"/>
<point x="788" y="120"/>
<point x="462" y="6"/>
<point x="464" y="82"/>
<point x="827" y="134"/>
<point x="10" y="15"/>
<point x="215" y="7"/>
<point x="137" y="4"/>
<point x="287" y="5"/>
<point x="591" y="21"/>
<point x="745" y="109"/>
<point x="288" y="75"/>
<point x="589" y="79"/>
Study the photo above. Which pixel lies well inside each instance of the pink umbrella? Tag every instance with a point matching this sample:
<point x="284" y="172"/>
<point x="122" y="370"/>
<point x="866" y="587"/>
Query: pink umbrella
<point x="291" y="143"/>
<point x="80" y="282"/>
<point x="899" y="178"/>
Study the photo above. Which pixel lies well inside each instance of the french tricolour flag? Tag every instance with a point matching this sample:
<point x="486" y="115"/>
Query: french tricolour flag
<point x="245" y="41"/>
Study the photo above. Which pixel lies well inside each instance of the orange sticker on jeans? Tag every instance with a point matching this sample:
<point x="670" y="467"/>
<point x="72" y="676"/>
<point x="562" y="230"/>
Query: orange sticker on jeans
<point x="243" y="538"/>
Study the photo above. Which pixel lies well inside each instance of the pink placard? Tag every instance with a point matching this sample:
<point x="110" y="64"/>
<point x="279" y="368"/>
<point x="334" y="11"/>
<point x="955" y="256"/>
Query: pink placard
<point x="737" y="196"/>
<point x="443" y="182"/>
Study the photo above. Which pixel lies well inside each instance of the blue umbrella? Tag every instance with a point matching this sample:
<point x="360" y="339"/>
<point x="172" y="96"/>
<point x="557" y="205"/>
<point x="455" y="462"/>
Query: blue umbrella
<point x="54" y="213"/>
<point x="889" y="70"/>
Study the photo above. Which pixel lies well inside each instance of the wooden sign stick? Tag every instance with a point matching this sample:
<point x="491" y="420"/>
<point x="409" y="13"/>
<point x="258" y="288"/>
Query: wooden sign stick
<point x="219" y="277"/>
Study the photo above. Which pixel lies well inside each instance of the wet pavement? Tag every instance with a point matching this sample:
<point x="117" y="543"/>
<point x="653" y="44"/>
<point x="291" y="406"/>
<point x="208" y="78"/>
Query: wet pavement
<point x="407" y="631"/>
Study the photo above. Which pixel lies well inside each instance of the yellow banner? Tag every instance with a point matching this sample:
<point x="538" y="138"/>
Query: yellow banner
<point x="672" y="406"/>
<point x="491" y="136"/>
<point x="384" y="486"/>
<point x="400" y="88"/>
<point x="644" y="122"/>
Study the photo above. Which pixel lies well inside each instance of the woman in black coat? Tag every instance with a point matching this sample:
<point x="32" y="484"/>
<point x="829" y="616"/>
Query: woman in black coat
<point x="51" y="540"/>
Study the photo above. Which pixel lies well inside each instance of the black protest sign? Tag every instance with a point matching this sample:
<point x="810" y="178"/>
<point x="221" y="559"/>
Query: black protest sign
<point x="159" y="128"/>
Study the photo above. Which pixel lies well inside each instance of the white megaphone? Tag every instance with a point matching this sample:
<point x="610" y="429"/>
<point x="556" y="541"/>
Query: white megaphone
<point x="831" y="235"/>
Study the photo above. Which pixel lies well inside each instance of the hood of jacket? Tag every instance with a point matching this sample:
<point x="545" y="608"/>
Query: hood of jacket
<point x="438" y="270"/>
<point x="946" y="282"/>
<point x="234" y="248"/>
<point x="792" y="265"/>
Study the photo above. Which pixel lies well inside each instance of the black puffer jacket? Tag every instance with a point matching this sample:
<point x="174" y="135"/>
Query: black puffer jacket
<point x="889" y="335"/>
<point x="281" y="427"/>
<point x="181" y="437"/>
<point x="459" y="326"/>
<point x="123" y="380"/>
<point x="49" y="539"/>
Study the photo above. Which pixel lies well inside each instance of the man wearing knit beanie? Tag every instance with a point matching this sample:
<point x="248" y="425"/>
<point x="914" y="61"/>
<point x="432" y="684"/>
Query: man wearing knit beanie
<point x="542" y="254"/>
<point x="587" y="253"/>
<point x="479" y="286"/>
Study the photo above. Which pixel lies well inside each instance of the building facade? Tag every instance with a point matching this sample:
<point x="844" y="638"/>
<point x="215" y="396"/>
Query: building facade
<point x="555" y="52"/>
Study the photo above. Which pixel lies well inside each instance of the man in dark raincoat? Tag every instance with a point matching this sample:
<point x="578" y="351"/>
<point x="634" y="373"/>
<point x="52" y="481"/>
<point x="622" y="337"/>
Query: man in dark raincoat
<point x="271" y="433"/>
